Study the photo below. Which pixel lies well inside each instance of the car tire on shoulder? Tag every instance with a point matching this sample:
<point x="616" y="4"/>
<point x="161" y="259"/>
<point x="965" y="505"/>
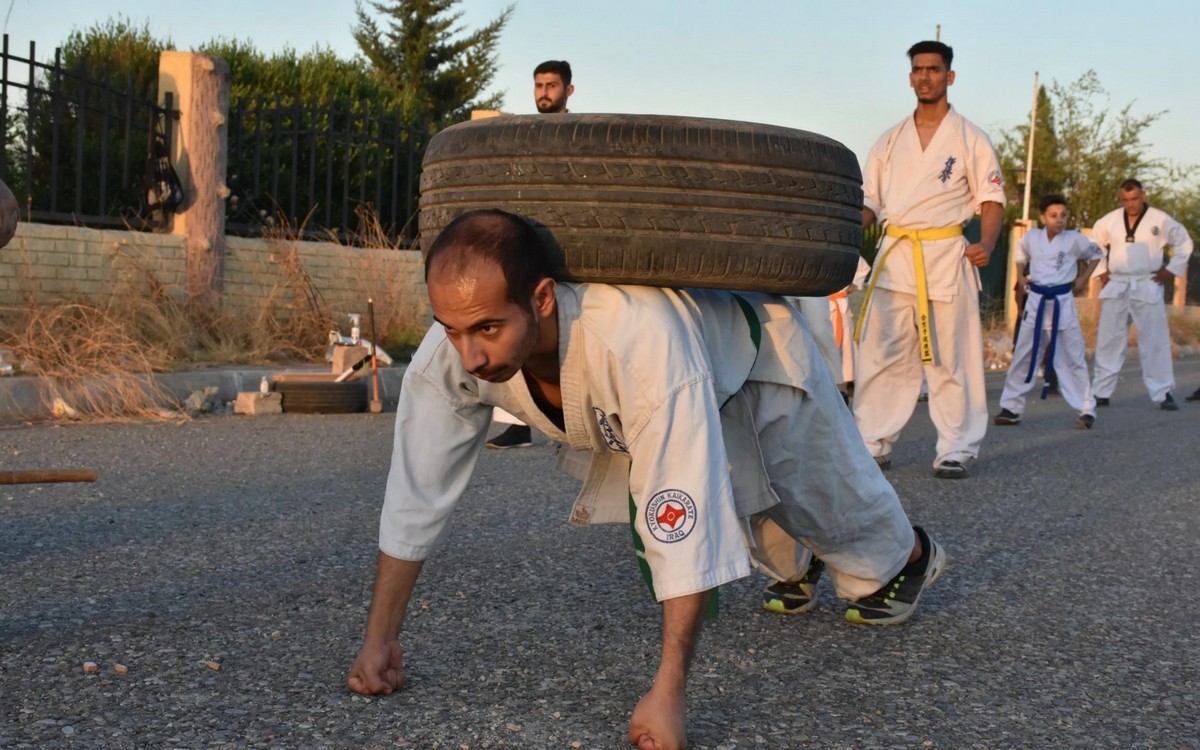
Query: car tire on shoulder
<point x="660" y="200"/>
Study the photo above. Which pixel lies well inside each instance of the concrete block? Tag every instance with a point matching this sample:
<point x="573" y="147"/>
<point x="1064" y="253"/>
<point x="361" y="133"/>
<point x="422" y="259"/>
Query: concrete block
<point x="83" y="233"/>
<point x="67" y="273"/>
<point x="51" y="231"/>
<point x="347" y="356"/>
<point x="255" y="403"/>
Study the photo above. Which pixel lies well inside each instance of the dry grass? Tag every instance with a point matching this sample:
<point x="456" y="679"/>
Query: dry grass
<point x="94" y="357"/>
<point x="400" y="330"/>
<point x="99" y="355"/>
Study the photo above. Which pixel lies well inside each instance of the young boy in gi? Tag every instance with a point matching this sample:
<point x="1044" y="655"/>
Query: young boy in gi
<point x="1049" y="323"/>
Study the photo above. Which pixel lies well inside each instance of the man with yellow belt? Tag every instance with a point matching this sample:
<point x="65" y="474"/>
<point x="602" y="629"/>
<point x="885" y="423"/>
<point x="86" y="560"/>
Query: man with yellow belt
<point x="925" y="178"/>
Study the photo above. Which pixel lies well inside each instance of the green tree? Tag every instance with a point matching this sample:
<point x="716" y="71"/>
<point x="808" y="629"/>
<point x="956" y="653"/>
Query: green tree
<point x="317" y="77"/>
<point x="1179" y="195"/>
<point x="1093" y="148"/>
<point x="1013" y="148"/>
<point x="69" y="149"/>
<point x="315" y="133"/>
<point x="308" y="131"/>
<point x="437" y="72"/>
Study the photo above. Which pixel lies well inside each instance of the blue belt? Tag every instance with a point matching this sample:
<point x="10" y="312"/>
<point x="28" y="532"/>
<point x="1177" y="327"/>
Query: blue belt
<point x="1049" y="294"/>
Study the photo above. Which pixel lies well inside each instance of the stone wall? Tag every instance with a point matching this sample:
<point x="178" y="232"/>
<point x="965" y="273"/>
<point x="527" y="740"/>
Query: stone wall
<point x="48" y="263"/>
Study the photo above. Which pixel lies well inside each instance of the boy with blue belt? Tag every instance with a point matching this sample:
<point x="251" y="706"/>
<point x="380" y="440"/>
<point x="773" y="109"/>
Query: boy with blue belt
<point x="1049" y="323"/>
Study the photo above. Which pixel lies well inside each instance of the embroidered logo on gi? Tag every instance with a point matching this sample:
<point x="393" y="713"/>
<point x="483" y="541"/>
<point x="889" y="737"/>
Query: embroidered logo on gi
<point x="671" y="516"/>
<point x="1154" y="231"/>
<point x="1060" y="260"/>
<point x="996" y="179"/>
<point x="610" y="435"/>
<point x="947" y="170"/>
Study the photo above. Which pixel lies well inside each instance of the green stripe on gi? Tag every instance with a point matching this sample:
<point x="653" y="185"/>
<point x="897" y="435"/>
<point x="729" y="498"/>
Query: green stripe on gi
<point x="639" y="546"/>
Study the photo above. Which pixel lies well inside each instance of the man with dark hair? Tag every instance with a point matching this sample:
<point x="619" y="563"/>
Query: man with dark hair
<point x="925" y="178"/>
<point x="1049" y="322"/>
<point x="552" y="86"/>
<point x="711" y="425"/>
<point x="1143" y="248"/>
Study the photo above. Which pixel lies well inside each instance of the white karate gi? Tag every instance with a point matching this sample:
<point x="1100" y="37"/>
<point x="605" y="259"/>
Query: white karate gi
<point x="942" y="186"/>
<point x="1131" y="294"/>
<point x="843" y="321"/>
<point x="669" y="405"/>
<point x="814" y="310"/>
<point x="1051" y="263"/>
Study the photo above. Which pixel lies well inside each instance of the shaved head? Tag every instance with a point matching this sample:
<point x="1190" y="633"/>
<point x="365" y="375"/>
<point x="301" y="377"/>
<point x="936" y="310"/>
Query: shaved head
<point x="497" y="239"/>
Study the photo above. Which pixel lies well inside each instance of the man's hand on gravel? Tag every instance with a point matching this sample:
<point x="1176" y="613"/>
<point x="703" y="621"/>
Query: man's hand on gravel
<point x="377" y="669"/>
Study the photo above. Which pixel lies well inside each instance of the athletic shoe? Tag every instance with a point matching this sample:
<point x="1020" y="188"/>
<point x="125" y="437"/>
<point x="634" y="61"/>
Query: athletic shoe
<point x="884" y="462"/>
<point x="1085" y="421"/>
<point x="1101" y="401"/>
<point x="1168" y="404"/>
<point x="794" y="597"/>
<point x="897" y="601"/>
<point x="1007" y="417"/>
<point x="1195" y="396"/>
<point x="516" y="436"/>
<point x="950" y="470"/>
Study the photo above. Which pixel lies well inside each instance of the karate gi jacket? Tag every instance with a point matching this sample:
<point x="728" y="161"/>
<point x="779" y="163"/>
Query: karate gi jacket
<point x="645" y="374"/>
<point x="1132" y="264"/>
<point x="1054" y="263"/>
<point x="942" y="186"/>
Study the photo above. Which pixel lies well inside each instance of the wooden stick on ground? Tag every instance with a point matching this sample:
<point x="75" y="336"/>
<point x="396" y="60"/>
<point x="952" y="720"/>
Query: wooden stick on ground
<point x="47" y="476"/>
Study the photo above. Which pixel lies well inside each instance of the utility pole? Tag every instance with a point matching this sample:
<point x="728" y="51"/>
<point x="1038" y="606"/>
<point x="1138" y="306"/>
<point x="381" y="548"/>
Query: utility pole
<point x="937" y="33"/>
<point x="1029" y="156"/>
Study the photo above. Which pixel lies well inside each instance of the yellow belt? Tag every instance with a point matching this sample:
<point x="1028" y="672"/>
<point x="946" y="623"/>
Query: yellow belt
<point x="915" y="236"/>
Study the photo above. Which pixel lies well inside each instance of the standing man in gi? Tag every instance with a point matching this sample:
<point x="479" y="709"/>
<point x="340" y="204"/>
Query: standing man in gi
<point x="551" y="88"/>
<point x="925" y="179"/>
<point x="711" y="424"/>
<point x="1134" y="268"/>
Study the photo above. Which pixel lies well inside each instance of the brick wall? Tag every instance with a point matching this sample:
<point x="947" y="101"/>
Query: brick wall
<point x="54" y="262"/>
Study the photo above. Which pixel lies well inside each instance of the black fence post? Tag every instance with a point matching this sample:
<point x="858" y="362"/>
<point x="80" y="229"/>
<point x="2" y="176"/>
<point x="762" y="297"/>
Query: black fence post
<point x="397" y="132"/>
<point x="276" y="126"/>
<point x="4" y="113"/>
<point x="30" y="106"/>
<point x="312" y="159"/>
<point x="80" y="128"/>
<point x="410" y="234"/>
<point x="105" y="104"/>
<point x="294" y="116"/>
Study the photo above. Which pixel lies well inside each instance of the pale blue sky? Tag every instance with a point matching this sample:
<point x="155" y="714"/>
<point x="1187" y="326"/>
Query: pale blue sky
<point x="837" y="68"/>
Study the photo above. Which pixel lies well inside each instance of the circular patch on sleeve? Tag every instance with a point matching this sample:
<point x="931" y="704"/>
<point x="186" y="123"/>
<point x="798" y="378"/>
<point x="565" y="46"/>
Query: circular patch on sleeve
<point x="670" y="516"/>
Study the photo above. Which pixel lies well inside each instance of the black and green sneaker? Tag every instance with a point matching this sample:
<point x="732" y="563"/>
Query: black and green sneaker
<point x="897" y="601"/>
<point x="794" y="597"/>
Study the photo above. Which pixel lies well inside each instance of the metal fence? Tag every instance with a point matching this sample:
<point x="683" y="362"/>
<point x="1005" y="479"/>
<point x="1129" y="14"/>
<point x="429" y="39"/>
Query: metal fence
<point x="74" y="148"/>
<point x="349" y="169"/>
<point x="80" y="145"/>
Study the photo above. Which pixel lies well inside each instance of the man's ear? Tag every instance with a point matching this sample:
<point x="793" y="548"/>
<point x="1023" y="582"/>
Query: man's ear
<point x="544" y="297"/>
<point x="571" y="90"/>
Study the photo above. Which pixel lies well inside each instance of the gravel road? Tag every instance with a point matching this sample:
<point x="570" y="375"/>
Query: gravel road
<point x="225" y="564"/>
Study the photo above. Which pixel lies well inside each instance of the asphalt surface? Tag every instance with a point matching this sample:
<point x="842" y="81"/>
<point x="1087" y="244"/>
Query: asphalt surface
<point x="1067" y="617"/>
